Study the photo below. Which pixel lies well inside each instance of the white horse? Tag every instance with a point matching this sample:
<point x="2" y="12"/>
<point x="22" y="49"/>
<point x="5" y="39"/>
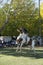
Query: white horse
<point x="21" y="39"/>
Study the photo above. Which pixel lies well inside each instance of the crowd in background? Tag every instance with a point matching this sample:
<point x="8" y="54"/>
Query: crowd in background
<point x="23" y="33"/>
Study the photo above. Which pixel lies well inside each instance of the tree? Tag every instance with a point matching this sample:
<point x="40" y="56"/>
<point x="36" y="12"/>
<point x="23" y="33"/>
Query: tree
<point x="41" y="14"/>
<point x="1" y="1"/>
<point x="6" y="12"/>
<point x="22" y="13"/>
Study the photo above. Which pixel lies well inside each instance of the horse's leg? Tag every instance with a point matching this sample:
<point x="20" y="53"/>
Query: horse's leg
<point x="33" y="47"/>
<point x="30" y="44"/>
<point x="17" y="46"/>
<point x="21" y="45"/>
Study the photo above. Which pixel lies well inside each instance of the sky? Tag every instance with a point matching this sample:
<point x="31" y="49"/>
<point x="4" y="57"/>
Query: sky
<point x="36" y="2"/>
<point x="4" y="1"/>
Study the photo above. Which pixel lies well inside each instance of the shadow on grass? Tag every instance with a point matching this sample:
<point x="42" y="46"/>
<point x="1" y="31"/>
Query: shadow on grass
<point x="24" y="53"/>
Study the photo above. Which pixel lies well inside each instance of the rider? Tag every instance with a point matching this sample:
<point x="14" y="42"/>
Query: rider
<point x="22" y="38"/>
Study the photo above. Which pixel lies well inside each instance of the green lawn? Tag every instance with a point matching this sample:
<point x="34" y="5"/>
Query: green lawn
<point x="9" y="56"/>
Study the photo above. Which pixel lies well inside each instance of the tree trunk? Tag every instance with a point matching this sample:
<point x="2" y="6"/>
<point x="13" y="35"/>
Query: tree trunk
<point x="5" y="23"/>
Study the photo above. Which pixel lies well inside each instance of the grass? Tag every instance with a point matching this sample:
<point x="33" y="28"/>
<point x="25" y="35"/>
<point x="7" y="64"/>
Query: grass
<point x="9" y="56"/>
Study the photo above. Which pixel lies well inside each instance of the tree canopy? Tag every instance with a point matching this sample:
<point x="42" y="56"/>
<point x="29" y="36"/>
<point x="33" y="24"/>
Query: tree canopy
<point x="19" y="13"/>
<point x="41" y="13"/>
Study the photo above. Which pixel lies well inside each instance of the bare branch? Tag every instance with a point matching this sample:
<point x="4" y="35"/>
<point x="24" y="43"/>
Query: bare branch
<point x="1" y="1"/>
<point x="10" y="6"/>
